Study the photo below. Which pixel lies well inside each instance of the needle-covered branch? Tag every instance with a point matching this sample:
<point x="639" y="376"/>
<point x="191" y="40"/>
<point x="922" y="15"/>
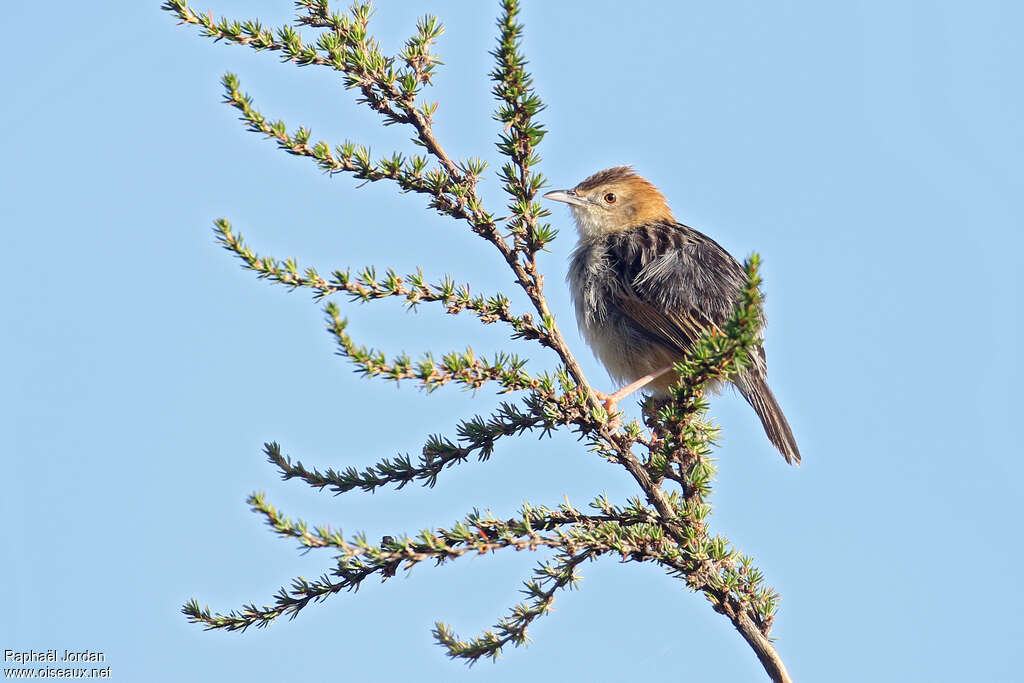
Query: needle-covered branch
<point x="410" y="173"/>
<point x="366" y="286"/>
<point x="586" y="537"/>
<point x="357" y="560"/>
<point x="476" y="436"/>
<point x="520" y="137"/>
<point x="549" y="578"/>
<point x="417" y="55"/>
<point x="665" y="525"/>
<point x="681" y="441"/>
<point x="461" y="368"/>
<point x="392" y="91"/>
<point x="346" y="47"/>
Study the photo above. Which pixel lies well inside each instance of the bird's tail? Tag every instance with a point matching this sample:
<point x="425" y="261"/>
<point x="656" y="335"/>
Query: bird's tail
<point x="754" y="388"/>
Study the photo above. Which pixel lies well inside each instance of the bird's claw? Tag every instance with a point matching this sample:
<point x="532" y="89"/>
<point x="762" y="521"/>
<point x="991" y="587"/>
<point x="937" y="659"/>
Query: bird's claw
<point x="611" y="404"/>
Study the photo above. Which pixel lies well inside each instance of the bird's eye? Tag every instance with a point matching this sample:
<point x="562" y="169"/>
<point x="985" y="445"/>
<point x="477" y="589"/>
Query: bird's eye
<point x="609" y="198"/>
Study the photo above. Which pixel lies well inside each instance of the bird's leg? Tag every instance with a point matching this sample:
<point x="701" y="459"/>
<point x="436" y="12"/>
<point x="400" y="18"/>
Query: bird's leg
<point x="612" y="400"/>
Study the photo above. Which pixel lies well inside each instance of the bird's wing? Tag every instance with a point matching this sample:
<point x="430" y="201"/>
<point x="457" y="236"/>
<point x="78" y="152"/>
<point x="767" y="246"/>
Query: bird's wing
<point x="674" y="328"/>
<point x="682" y="284"/>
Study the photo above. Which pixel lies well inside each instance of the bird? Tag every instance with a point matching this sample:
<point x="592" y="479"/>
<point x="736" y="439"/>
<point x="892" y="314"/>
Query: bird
<point x="646" y="288"/>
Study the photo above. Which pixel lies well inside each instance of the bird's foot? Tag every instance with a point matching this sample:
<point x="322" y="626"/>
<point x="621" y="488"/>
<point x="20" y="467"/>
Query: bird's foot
<point x="611" y="404"/>
<point x="611" y="401"/>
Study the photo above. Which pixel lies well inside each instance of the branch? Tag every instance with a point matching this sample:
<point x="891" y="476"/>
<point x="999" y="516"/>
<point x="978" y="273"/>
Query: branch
<point x="513" y="628"/>
<point x="392" y="92"/>
<point x="664" y="526"/>
<point x="519" y="104"/>
<point x="366" y="287"/>
<point x="477" y="435"/>
<point x="357" y="561"/>
<point x="346" y="48"/>
<point x="462" y="368"/>
<point x="410" y="174"/>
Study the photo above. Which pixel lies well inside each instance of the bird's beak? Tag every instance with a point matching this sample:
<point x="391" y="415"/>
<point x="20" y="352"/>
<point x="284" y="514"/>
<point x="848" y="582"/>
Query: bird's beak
<point x="567" y="196"/>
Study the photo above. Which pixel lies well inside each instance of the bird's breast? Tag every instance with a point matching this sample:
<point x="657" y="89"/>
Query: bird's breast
<point x="598" y="280"/>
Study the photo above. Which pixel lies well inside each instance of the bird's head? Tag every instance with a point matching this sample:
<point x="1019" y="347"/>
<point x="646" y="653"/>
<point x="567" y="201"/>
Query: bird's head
<point x="612" y="200"/>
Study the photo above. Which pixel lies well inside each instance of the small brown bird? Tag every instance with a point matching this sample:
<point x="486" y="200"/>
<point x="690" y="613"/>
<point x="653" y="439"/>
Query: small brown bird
<point x="646" y="287"/>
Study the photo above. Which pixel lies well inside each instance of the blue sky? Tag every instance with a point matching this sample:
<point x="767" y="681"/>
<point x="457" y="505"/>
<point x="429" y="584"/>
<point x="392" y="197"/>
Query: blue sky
<point x="869" y="151"/>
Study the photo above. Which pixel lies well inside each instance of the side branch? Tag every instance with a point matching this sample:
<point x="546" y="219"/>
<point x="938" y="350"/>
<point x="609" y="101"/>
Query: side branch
<point x="356" y="561"/>
<point x="367" y="287"/>
<point x="411" y="174"/>
<point x="462" y="368"/>
<point x="548" y="579"/>
<point x="476" y="436"/>
<point x="521" y="135"/>
<point x="347" y="47"/>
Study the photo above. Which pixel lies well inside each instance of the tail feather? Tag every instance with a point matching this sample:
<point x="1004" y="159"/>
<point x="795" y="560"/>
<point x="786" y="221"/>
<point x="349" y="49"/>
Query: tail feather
<point x="754" y="387"/>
